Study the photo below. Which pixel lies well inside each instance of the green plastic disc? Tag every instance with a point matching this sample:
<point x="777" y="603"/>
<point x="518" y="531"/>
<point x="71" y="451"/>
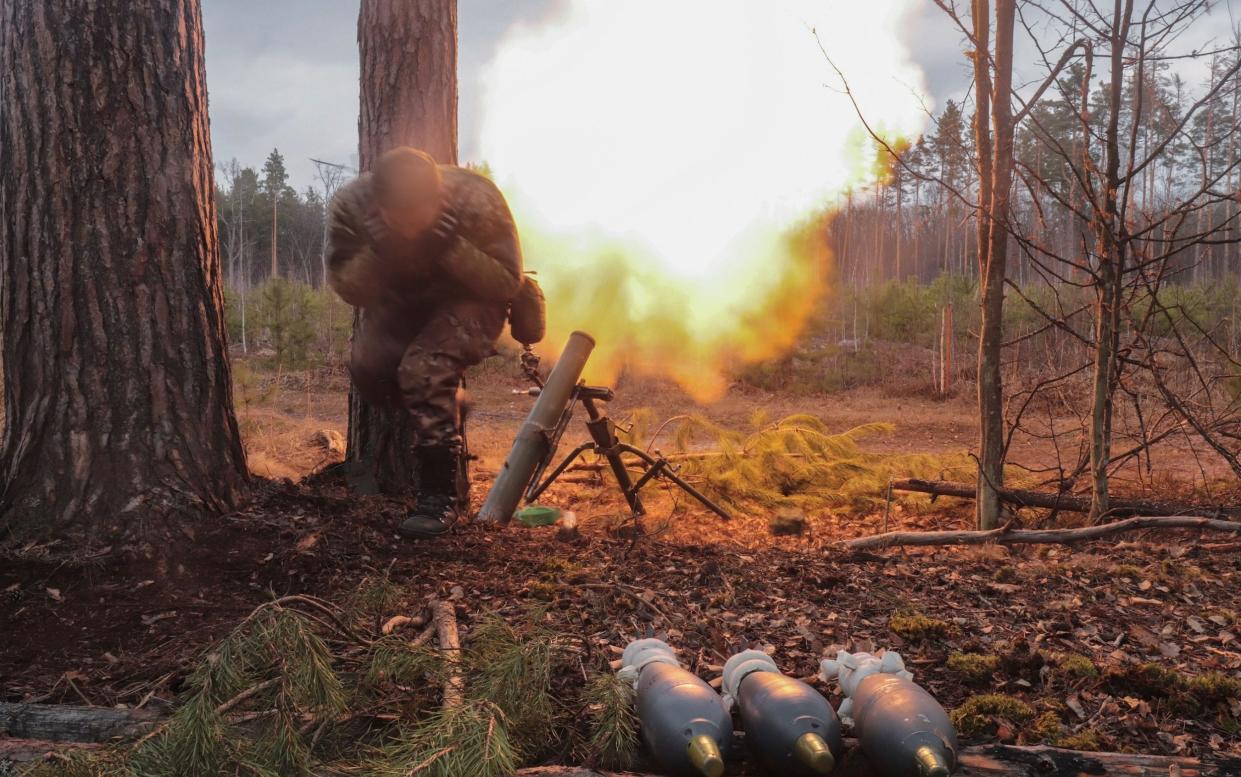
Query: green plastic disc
<point x="538" y="515"/>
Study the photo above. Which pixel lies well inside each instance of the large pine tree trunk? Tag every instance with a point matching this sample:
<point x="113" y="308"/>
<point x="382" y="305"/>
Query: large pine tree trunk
<point x="409" y="98"/>
<point x="118" y="398"/>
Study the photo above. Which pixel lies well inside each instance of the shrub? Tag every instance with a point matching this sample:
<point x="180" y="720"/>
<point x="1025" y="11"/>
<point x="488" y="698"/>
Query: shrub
<point x="301" y="324"/>
<point x="286" y="313"/>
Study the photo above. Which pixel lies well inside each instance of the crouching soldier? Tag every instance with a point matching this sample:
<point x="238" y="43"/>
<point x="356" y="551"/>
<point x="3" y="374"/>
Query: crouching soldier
<point x="430" y="255"/>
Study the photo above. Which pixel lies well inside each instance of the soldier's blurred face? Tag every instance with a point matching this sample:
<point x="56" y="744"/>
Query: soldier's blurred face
<point x="410" y="205"/>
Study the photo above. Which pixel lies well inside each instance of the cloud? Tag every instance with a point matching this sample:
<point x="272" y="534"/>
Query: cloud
<point x="284" y="74"/>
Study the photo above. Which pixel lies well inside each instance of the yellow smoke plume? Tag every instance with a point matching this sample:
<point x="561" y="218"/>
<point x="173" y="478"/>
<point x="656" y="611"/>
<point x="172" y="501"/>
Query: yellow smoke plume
<point x="670" y="161"/>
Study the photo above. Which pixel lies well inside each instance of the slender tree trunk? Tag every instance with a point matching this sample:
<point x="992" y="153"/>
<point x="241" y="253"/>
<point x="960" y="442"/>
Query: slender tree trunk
<point x="900" y="187"/>
<point x="1234" y="229"/>
<point x="1110" y="246"/>
<point x="409" y="97"/>
<point x="990" y="267"/>
<point x="275" y="234"/>
<point x="245" y="288"/>
<point x="118" y="397"/>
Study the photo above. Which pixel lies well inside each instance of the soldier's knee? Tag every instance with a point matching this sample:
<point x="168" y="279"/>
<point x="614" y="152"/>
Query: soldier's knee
<point x="424" y="373"/>
<point x="436" y="430"/>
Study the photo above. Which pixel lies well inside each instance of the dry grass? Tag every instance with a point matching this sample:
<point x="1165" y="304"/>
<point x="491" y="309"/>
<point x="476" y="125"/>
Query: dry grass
<point x="280" y="417"/>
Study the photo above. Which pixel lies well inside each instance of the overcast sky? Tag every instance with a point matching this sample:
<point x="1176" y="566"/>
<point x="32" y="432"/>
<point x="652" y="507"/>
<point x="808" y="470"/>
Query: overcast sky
<point x="284" y="73"/>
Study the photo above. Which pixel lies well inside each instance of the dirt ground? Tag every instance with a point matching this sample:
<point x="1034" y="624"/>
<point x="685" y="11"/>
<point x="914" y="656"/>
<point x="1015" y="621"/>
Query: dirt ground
<point x="280" y="421"/>
<point x="107" y="630"/>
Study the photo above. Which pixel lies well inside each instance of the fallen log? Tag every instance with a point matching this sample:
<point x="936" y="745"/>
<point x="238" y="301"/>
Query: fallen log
<point x="1011" y="761"/>
<point x="1008" y="761"/>
<point x="1120" y="508"/>
<point x="1006" y="536"/>
<point x="69" y="723"/>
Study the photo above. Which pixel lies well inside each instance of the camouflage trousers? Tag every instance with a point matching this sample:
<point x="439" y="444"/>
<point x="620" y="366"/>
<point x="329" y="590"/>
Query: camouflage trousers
<point x="417" y="357"/>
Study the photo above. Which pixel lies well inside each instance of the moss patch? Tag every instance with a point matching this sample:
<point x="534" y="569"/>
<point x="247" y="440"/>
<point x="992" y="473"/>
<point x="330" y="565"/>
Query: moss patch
<point x="1047" y="728"/>
<point x="1149" y="680"/>
<point x="1085" y="739"/>
<point x="1171" y="570"/>
<point x="1184" y="693"/>
<point x="1076" y="665"/>
<point x="979" y="716"/>
<point x="916" y="627"/>
<point x="973" y="667"/>
<point x="1212" y="688"/>
<point x="556" y="570"/>
<point x="543" y="590"/>
<point x="1021" y="661"/>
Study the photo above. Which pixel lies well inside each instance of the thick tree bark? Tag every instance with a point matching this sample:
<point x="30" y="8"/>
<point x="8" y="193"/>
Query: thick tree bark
<point x="118" y="396"/>
<point x="408" y="98"/>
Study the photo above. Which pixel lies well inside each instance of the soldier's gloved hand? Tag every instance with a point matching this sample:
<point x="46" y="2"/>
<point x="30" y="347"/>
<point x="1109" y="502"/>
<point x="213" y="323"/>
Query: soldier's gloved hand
<point x="446" y="225"/>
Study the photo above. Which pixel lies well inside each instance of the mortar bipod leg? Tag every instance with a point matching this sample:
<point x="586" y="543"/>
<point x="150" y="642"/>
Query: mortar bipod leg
<point x="535" y="491"/>
<point x="603" y="432"/>
<point x="661" y="468"/>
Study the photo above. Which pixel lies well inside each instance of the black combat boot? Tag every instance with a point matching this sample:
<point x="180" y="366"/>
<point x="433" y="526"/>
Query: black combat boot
<point x="439" y="497"/>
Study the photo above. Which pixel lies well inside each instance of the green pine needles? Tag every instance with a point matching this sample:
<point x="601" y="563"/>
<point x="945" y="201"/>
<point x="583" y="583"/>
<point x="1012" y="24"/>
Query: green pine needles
<point x="613" y="741"/>
<point x="250" y="702"/>
<point x="795" y="462"/>
<point x="295" y="690"/>
<point x="470" y="738"/>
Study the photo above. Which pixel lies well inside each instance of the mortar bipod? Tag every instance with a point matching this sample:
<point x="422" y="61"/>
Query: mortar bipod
<point x="605" y="443"/>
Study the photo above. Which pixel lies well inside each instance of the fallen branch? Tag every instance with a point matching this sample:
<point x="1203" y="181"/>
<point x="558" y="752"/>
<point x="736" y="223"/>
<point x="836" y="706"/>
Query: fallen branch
<point x="1011" y="761"/>
<point x="1120" y="508"/>
<point x="20" y="751"/>
<point x="572" y="771"/>
<point x="246" y="694"/>
<point x="1006" y="536"/>
<point x="424" y="637"/>
<point x="445" y="620"/>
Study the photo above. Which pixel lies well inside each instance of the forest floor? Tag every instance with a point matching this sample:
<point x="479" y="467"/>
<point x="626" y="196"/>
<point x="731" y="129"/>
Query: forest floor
<point x="1101" y="641"/>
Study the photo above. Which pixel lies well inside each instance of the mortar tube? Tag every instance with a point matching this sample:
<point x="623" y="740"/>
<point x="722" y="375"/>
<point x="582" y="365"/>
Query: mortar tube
<point x="532" y="442"/>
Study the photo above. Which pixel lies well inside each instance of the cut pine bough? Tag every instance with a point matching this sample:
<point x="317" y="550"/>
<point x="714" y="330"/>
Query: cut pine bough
<point x="796" y="461"/>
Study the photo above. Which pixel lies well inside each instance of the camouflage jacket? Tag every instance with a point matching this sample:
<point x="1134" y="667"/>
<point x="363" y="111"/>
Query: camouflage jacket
<point x="371" y="268"/>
